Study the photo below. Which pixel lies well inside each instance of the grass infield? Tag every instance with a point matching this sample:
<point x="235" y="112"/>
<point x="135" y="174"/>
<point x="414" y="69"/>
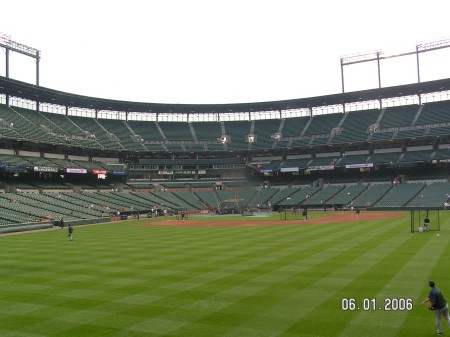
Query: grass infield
<point x="127" y="279"/>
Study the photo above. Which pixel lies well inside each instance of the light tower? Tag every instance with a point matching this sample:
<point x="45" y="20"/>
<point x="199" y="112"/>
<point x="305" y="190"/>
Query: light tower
<point x="13" y="46"/>
<point x="378" y="56"/>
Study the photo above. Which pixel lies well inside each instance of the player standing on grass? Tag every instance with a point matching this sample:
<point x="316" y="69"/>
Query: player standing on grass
<point x="305" y="214"/>
<point x="71" y="232"/>
<point x="426" y="224"/>
<point x="438" y="304"/>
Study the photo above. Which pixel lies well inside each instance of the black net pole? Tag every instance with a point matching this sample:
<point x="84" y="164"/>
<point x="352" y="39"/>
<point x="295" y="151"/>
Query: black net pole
<point x="439" y="221"/>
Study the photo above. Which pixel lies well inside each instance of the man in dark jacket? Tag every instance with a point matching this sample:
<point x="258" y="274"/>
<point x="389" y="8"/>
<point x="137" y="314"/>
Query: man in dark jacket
<point x="438" y="304"/>
<point x="71" y="232"/>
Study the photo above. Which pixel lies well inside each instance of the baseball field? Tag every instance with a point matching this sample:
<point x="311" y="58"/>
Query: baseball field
<point x="335" y="274"/>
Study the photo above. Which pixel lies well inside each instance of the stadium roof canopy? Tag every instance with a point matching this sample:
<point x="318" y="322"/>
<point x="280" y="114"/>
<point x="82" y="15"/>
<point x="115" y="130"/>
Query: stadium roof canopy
<point x="41" y="94"/>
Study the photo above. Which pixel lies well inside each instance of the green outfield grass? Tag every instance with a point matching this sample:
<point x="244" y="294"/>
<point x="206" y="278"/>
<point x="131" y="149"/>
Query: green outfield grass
<point x="125" y="280"/>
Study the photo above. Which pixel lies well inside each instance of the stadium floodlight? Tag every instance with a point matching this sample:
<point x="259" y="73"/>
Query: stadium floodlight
<point x="361" y="57"/>
<point x="379" y="55"/>
<point x="6" y="42"/>
<point x="5" y="39"/>
<point x="10" y="45"/>
<point x="433" y="45"/>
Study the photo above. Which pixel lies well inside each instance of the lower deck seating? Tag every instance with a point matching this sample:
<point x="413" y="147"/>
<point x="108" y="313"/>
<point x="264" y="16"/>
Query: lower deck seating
<point x="433" y="195"/>
<point x="324" y="195"/>
<point x="29" y="207"/>
<point x="400" y="195"/>
<point x="371" y="195"/>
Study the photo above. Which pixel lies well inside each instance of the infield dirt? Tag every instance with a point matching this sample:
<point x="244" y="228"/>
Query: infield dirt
<point x="333" y="217"/>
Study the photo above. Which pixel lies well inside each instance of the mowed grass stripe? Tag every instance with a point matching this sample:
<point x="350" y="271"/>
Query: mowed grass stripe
<point x="363" y="278"/>
<point x="235" y="279"/>
<point x="402" y="285"/>
<point x="72" y="264"/>
<point x="177" y="286"/>
<point x="421" y="321"/>
<point x="259" y="262"/>
<point x="313" y="273"/>
<point x="122" y="280"/>
<point x="400" y="276"/>
<point x="96" y="257"/>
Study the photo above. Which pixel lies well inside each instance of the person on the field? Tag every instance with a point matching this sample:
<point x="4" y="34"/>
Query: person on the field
<point x="305" y="214"/>
<point x="426" y="224"/>
<point x="71" y="232"/>
<point x="438" y="304"/>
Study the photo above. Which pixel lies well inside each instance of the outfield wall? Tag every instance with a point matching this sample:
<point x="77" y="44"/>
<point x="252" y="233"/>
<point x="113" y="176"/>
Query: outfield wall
<point x="46" y="225"/>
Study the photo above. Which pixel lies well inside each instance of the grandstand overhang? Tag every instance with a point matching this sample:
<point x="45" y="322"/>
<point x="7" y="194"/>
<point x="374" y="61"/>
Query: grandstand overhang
<point x="15" y="88"/>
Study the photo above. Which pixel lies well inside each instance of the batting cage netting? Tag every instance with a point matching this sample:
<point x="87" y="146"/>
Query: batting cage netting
<point x="425" y="220"/>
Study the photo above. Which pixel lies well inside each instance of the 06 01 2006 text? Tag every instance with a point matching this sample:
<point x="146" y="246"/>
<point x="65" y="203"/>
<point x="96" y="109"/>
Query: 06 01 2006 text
<point x="372" y="304"/>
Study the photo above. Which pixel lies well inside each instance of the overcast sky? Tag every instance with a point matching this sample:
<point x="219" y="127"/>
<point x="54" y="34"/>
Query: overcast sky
<point x="206" y="51"/>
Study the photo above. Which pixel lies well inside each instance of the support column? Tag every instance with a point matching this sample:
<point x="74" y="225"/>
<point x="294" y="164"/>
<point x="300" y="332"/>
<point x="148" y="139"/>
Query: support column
<point x="379" y="72"/>
<point x="38" y="58"/>
<point x="418" y="67"/>
<point x="7" y="62"/>
<point x="418" y="72"/>
<point x="7" y="72"/>
<point x="37" y="75"/>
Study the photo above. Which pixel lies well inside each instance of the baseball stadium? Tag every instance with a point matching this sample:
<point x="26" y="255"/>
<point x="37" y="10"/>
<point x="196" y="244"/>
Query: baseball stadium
<point x="301" y="217"/>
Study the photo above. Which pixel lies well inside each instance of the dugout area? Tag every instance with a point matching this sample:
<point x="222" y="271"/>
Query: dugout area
<point x="418" y="220"/>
